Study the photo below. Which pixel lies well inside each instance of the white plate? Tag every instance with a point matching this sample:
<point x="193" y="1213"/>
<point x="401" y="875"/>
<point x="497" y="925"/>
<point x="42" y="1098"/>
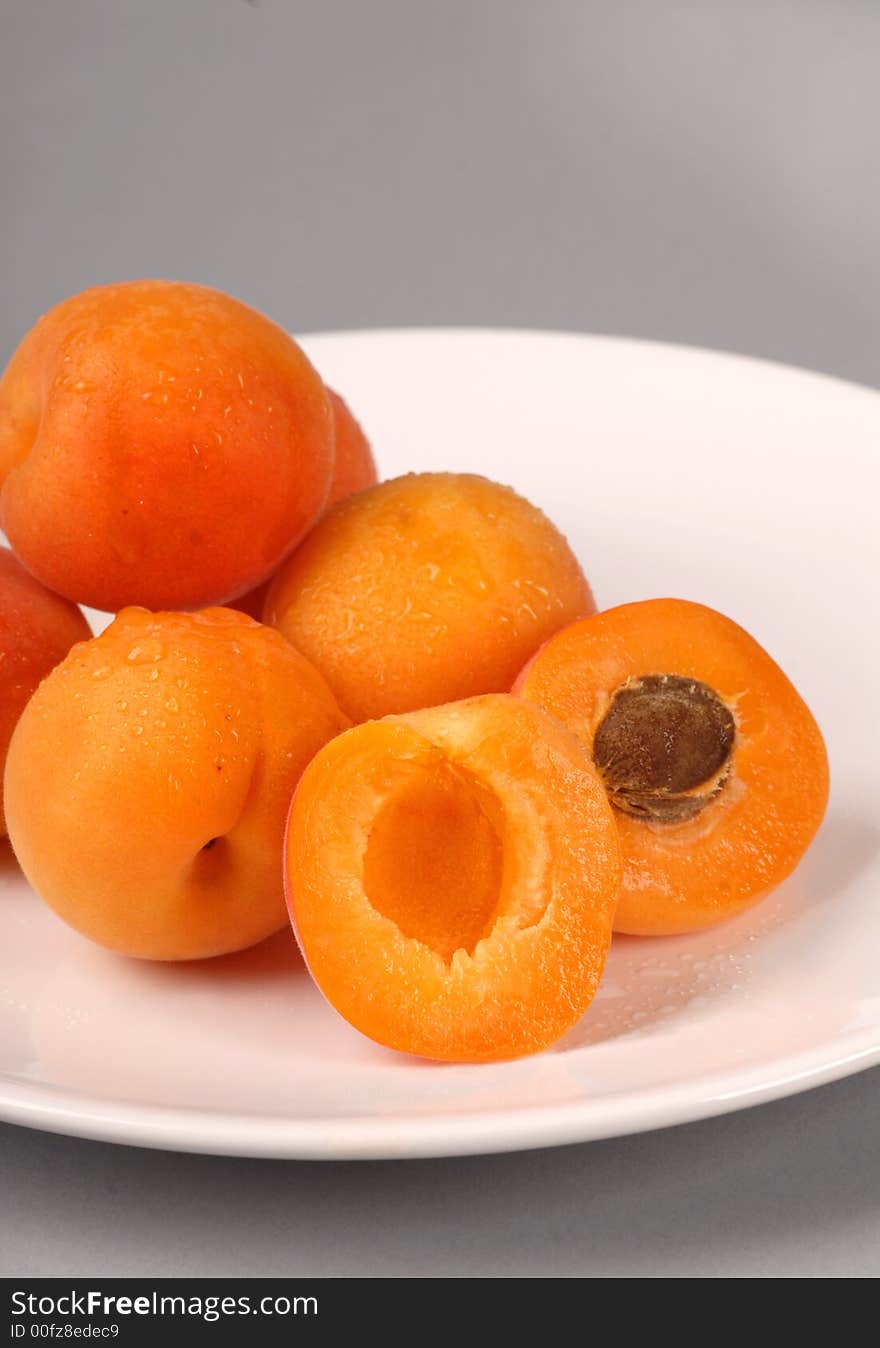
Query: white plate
<point x="748" y="486"/>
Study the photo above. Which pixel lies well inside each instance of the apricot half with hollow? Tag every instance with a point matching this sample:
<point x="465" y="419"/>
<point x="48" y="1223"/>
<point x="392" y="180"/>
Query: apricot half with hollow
<point x="452" y="876"/>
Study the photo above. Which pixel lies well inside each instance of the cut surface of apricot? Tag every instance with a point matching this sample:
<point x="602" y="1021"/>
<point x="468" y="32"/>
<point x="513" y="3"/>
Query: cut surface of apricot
<point x="445" y="895"/>
<point x="452" y="876"/>
<point x="714" y="764"/>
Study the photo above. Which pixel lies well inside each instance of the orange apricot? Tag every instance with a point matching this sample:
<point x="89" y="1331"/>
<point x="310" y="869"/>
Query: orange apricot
<point x="354" y="466"/>
<point x="149" y="778"/>
<point x="353" y="469"/>
<point x="160" y="444"/>
<point x="714" y="764"/>
<point x="426" y="589"/>
<point x="452" y="876"/>
<point x="37" y="629"/>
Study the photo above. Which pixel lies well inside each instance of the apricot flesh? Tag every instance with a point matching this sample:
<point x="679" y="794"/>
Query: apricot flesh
<point x="149" y="778"/>
<point x="426" y="589"/>
<point x="37" y="629"/>
<point x="160" y="444"/>
<point x="452" y="876"/>
<point x="445" y="894"/>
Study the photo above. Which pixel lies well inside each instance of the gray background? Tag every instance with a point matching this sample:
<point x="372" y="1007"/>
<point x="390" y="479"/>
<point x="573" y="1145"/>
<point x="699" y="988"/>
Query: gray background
<point x="704" y="172"/>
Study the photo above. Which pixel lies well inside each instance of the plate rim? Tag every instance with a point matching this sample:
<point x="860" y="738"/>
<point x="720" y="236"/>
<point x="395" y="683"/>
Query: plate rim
<point x="55" y="1109"/>
<point x="404" y="1137"/>
<point x="720" y="354"/>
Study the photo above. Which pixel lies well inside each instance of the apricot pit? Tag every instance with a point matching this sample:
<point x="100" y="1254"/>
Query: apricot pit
<point x="664" y="747"/>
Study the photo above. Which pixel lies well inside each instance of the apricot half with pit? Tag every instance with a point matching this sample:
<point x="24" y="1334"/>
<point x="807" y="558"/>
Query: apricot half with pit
<point x="713" y="762"/>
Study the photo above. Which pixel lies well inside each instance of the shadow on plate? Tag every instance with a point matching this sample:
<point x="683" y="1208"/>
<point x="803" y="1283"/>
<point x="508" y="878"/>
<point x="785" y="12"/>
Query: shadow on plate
<point x="649" y="980"/>
<point x="8" y="863"/>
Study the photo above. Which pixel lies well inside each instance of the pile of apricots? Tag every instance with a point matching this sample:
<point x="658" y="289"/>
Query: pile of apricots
<point x="388" y="714"/>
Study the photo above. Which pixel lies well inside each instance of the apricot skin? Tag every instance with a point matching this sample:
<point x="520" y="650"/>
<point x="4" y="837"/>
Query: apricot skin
<point x="488" y="949"/>
<point x="37" y="629"/>
<point x="354" y="468"/>
<point x="149" y="778"/>
<point x="160" y="444"/>
<point x="426" y="589"/>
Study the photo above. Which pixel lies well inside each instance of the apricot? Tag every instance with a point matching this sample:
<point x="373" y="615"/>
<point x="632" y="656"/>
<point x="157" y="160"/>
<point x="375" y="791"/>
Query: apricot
<point x="149" y="778"/>
<point x="452" y="876"/>
<point x="353" y="469"/>
<point x="37" y="629"/>
<point x="426" y="589"/>
<point x="160" y="444"/>
<point x="714" y="765"/>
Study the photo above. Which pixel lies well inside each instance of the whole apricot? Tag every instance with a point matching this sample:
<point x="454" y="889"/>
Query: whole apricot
<point x="37" y="629"/>
<point x="149" y="778"/>
<point x="354" y="466"/>
<point x="160" y="444"/>
<point x="426" y="589"/>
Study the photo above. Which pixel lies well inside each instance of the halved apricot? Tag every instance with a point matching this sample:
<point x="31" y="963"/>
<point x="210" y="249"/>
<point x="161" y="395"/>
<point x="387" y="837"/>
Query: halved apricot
<point x="452" y="876"/>
<point x="714" y="764"/>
